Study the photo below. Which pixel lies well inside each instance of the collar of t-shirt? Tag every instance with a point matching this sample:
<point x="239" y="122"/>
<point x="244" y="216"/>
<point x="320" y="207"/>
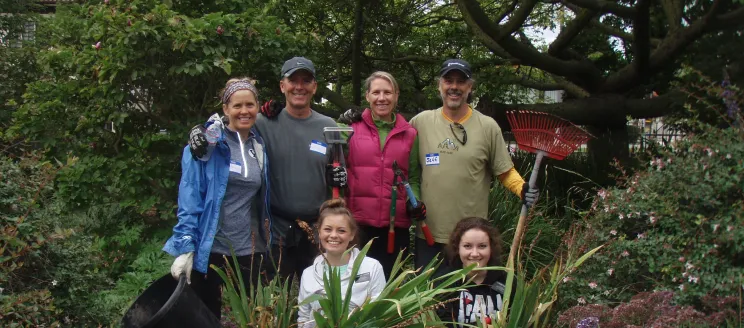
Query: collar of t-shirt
<point x="234" y="135"/>
<point x="341" y="268"/>
<point x="383" y="129"/>
<point x="465" y="118"/>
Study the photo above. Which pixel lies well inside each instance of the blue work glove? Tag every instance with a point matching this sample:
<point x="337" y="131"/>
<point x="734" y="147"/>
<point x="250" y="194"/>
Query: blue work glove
<point x="350" y="116"/>
<point x="529" y="195"/>
<point x="336" y="176"/>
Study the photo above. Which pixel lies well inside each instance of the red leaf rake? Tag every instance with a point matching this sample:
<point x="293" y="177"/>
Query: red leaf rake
<point x="545" y="135"/>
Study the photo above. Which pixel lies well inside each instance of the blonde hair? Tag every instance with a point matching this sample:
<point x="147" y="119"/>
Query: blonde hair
<point x="337" y="206"/>
<point x="381" y="75"/>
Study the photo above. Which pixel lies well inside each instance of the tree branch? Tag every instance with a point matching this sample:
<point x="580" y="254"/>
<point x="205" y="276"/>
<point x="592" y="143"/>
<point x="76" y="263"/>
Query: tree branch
<point x="605" y="7"/>
<point x="491" y="36"/>
<point x="337" y="99"/>
<point x="614" y="108"/>
<point x="571" y="30"/>
<point x="673" y="13"/>
<point x="674" y="43"/>
<point x="433" y="20"/>
<point x="532" y="84"/>
<point x="731" y="19"/>
<point x="506" y="11"/>
<point x="518" y="18"/>
<point x="641" y="33"/>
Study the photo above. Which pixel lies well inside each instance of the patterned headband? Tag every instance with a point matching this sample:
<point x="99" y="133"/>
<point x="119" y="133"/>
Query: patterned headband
<point x="235" y="87"/>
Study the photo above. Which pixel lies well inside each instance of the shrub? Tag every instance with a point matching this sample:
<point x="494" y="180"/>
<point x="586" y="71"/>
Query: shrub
<point x="652" y="310"/>
<point x="25" y="193"/>
<point x="675" y="226"/>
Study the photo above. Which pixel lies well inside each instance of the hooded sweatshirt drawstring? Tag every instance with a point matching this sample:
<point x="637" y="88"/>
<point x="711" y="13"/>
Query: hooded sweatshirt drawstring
<point x="242" y="154"/>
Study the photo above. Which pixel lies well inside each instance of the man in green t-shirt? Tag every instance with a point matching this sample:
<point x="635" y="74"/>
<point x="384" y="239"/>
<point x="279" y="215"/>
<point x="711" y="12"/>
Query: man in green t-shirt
<point x="461" y="152"/>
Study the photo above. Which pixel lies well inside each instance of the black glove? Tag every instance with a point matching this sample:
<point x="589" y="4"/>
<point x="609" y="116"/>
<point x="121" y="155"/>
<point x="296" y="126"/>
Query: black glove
<point x="335" y="176"/>
<point x="350" y="116"/>
<point x="417" y="213"/>
<point x="198" y="142"/>
<point x="529" y="195"/>
<point x="271" y="109"/>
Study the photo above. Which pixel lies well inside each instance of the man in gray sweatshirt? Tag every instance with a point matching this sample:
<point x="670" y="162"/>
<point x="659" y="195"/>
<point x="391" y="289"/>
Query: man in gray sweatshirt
<point x="298" y="160"/>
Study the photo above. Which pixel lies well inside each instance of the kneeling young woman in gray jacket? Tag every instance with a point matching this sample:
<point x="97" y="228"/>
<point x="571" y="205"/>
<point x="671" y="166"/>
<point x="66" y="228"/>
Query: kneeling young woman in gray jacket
<point x="337" y="232"/>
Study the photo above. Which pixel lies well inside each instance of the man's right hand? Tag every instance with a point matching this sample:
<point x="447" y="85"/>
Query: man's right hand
<point x="198" y="142"/>
<point x="350" y="116"/>
<point x="271" y="109"/>
<point x="183" y="264"/>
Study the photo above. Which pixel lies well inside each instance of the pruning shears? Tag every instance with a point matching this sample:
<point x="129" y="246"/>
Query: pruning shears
<point x="412" y="198"/>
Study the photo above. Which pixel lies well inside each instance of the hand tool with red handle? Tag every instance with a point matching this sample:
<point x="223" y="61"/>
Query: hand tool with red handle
<point x="414" y="203"/>
<point x="334" y="137"/>
<point x="391" y="230"/>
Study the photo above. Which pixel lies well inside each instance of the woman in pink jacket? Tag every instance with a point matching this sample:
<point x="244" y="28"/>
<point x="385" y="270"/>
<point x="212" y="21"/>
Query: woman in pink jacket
<point x="381" y="138"/>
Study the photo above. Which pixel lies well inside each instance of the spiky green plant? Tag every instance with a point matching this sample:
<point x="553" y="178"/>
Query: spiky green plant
<point x="269" y="305"/>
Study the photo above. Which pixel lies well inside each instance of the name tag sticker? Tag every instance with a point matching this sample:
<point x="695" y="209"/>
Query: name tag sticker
<point x="432" y="159"/>
<point x="318" y="147"/>
<point x="236" y="167"/>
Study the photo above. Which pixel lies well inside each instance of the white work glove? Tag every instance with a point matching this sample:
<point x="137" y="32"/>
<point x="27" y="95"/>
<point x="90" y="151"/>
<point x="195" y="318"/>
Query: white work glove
<point x="182" y="264"/>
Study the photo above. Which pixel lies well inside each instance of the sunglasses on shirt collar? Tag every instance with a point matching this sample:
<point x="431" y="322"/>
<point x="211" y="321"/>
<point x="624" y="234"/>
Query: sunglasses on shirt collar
<point x="464" y="133"/>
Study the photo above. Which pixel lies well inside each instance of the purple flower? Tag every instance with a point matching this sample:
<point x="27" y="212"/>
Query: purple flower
<point x="588" y="322"/>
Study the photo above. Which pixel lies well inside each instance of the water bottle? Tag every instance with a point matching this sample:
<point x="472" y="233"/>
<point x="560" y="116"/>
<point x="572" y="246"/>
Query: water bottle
<point x="212" y="135"/>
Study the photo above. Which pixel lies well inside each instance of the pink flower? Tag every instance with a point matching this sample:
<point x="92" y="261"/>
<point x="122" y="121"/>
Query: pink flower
<point x="641" y="235"/>
<point x="610" y="271"/>
<point x="220" y="30"/>
<point x="620" y="216"/>
<point x="728" y="156"/>
<point x="97" y="46"/>
<point x="581" y="301"/>
<point x="566" y="279"/>
<point x="602" y="193"/>
<point x="106" y="1"/>
<point x="681" y="259"/>
<point x="729" y="228"/>
<point x="682" y="287"/>
<point x="592" y="285"/>
<point x="715" y="227"/>
<point x="613" y="232"/>
<point x="652" y="219"/>
<point x="625" y="254"/>
<point x="693" y="279"/>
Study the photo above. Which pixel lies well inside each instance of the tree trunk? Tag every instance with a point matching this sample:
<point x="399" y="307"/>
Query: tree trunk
<point x="609" y="146"/>
<point x="356" y="53"/>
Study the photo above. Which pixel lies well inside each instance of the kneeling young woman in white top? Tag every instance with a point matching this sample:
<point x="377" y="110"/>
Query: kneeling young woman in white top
<point x="337" y="232"/>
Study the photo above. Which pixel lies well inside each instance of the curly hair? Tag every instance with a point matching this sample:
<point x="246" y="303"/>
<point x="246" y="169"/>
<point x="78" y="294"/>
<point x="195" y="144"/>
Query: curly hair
<point x="452" y="249"/>
<point x="337" y="206"/>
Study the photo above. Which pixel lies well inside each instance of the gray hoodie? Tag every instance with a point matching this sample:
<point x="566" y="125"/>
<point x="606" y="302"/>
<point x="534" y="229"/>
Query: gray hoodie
<point x="368" y="284"/>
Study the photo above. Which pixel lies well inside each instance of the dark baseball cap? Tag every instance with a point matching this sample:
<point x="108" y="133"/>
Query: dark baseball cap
<point x="297" y="63"/>
<point x="457" y="64"/>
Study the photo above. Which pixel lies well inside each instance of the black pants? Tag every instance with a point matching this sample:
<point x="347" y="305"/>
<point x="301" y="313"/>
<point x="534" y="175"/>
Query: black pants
<point x="208" y="286"/>
<point x="378" y="250"/>
<point x="292" y="260"/>
<point x="425" y="253"/>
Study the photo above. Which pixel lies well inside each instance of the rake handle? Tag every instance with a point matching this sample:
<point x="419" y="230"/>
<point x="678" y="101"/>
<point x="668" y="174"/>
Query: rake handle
<point x="523" y="215"/>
